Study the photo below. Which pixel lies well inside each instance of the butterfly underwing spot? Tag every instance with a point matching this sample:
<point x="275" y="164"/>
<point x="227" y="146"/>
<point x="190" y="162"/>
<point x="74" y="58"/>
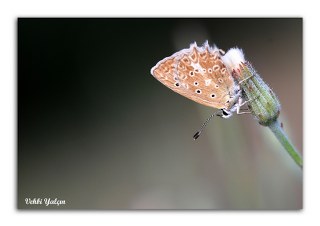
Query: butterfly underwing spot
<point x="213" y="95"/>
<point x="194" y="56"/>
<point x="198" y="91"/>
<point x="203" y="55"/>
<point x="181" y="66"/>
<point x="191" y="73"/>
<point x="210" y="70"/>
<point x="186" y="60"/>
<point x="196" y="83"/>
<point x="220" y="80"/>
<point x="177" y="84"/>
<point x="217" y="86"/>
<point x="216" y="67"/>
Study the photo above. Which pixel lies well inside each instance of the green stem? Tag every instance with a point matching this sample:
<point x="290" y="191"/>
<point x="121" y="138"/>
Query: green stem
<point x="283" y="139"/>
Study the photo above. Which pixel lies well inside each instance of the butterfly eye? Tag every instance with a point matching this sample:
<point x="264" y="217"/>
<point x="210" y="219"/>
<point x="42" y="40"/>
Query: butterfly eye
<point x="198" y="91"/>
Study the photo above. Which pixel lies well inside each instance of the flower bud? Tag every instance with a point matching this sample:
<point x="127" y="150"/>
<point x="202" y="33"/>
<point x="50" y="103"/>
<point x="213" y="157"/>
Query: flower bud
<point x="262" y="101"/>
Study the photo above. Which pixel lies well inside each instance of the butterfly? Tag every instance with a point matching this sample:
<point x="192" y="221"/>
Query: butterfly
<point x="204" y="75"/>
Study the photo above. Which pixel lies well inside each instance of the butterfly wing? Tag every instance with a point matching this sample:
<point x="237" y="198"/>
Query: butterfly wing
<point x="199" y="74"/>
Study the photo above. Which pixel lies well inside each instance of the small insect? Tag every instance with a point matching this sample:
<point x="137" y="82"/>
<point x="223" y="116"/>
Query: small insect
<point x="204" y="75"/>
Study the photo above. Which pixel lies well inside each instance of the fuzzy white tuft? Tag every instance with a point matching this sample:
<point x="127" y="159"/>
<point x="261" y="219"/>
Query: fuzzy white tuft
<point x="233" y="58"/>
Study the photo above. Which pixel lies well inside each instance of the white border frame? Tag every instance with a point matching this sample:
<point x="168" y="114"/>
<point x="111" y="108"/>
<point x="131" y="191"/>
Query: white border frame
<point x="10" y="10"/>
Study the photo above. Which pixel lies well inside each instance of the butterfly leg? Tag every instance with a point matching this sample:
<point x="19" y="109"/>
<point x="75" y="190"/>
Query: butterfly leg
<point x="240" y="104"/>
<point x="245" y="79"/>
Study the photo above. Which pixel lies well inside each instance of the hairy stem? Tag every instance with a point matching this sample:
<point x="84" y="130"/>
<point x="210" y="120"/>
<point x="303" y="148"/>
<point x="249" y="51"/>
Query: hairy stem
<point x="286" y="143"/>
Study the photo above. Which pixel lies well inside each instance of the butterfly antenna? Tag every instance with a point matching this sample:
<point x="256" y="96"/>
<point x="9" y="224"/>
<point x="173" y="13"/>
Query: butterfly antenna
<point x="197" y="134"/>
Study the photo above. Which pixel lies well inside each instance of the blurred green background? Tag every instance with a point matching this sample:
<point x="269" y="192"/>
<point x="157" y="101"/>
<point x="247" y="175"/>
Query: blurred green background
<point x="97" y="130"/>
